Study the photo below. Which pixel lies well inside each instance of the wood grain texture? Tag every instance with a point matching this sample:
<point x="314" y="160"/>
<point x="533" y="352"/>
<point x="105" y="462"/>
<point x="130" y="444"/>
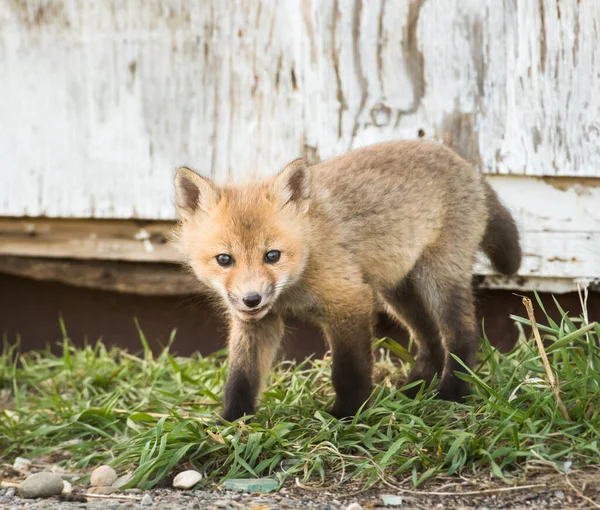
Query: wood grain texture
<point x="140" y="241"/>
<point x="143" y="278"/>
<point x="104" y="99"/>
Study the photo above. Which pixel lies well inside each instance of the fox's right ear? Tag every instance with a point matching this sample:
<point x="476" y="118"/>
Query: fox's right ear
<point x="292" y="184"/>
<point x="193" y="192"/>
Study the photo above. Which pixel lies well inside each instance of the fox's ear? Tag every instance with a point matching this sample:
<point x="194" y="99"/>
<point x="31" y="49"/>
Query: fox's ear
<point x="292" y="184"/>
<point x="193" y="192"/>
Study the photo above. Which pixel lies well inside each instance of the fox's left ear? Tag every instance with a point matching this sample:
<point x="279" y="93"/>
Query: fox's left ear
<point x="193" y="193"/>
<point x="292" y="184"/>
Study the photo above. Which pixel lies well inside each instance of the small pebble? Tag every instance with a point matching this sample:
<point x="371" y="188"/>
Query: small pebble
<point x="354" y="506"/>
<point x="67" y="488"/>
<point x="103" y="476"/>
<point x="186" y="479"/>
<point x="146" y="500"/>
<point x="21" y="464"/>
<point x="6" y="496"/>
<point x="41" y="485"/>
<point x="391" y="500"/>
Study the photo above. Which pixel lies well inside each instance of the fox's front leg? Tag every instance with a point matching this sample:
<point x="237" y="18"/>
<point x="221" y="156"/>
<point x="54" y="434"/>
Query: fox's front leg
<point x="350" y="335"/>
<point x="252" y="349"/>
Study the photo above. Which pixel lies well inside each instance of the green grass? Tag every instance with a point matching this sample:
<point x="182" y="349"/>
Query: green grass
<point x="149" y="414"/>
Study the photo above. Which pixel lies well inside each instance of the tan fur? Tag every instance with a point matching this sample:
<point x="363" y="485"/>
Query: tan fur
<point x="256" y="343"/>
<point x="394" y="225"/>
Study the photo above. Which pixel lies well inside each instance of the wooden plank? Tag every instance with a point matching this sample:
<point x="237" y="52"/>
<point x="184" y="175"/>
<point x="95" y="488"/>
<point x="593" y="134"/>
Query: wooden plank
<point x="546" y="254"/>
<point x="551" y="204"/>
<point x="559" y="221"/>
<point x="110" y="98"/>
<point x="88" y="239"/>
<point x="162" y="279"/>
<point x="556" y="255"/>
<point x="553" y="285"/>
<point x="153" y="279"/>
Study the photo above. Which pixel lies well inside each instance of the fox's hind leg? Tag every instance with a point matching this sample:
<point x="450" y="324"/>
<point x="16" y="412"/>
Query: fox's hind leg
<point x="252" y="350"/>
<point x="458" y="324"/>
<point x="445" y="283"/>
<point x="406" y="304"/>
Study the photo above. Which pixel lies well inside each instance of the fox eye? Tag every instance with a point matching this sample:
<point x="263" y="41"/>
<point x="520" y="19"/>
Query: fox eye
<point x="224" y="260"/>
<point x="272" y="256"/>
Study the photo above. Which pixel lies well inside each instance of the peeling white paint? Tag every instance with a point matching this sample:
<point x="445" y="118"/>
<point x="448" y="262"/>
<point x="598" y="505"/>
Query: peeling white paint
<point x="144" y="236"/>
<point x="102" y="100"/>
<point x="559" y="225"/>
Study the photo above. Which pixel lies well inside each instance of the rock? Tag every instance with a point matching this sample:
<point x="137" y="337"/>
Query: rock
<point x="122" y="480"/>
<point x="21" y="464"/>
<point x="41" y="485"/>
<point x="146" y="500"/>
<point x="6" y="496"/>
<point x="354" y="506"/>
<point x="251" y="484"/>
<point x="221" y="503"/>
<point x="187" y="479"/>
<point x="67" y="488"/>
<point x="103" y="476"/>
<point x="391" y="500"/>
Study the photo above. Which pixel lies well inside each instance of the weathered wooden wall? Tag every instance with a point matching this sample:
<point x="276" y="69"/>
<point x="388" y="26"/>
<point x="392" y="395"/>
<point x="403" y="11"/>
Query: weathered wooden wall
<point x="102" y="100"/>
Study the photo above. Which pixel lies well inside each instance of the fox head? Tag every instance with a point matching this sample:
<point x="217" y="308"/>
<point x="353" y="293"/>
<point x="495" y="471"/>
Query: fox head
<point x="246" y="242"/>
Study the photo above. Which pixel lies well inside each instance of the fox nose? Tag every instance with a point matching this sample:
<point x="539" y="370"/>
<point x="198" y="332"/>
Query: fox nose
<point x="252" y="300"/>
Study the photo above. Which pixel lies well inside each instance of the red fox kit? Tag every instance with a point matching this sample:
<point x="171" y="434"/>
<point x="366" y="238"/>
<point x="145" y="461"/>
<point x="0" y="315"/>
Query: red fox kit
<point x="392" y="226"/>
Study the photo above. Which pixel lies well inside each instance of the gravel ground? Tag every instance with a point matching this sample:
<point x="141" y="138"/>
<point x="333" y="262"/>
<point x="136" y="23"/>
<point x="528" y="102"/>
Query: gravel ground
<point x="581" y="490"/>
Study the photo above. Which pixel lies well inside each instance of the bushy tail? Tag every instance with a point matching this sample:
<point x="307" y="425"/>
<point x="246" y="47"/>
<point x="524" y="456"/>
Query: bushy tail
<point x="501" y="238"/>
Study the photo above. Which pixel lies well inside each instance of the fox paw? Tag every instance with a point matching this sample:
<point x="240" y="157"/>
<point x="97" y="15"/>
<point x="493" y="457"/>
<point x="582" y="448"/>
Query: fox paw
<point x="453" y="389"/>
<point x="341" y="411"/>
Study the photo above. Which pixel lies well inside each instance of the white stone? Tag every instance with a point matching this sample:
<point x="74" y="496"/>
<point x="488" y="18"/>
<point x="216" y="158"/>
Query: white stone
<point x="103" y="476"/>
<point x="67" y="487"/>
<point x="21" y="464"/>
<point x="187" y="479"/>
<point x="354" y="506"/>
<point x="146" y="500"/>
